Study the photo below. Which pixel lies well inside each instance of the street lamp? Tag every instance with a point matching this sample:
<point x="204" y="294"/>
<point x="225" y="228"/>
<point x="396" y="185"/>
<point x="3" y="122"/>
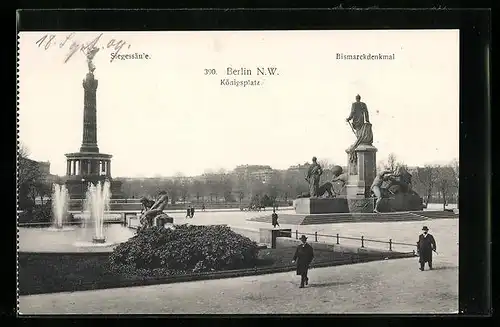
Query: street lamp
<point x="83" y="190"/>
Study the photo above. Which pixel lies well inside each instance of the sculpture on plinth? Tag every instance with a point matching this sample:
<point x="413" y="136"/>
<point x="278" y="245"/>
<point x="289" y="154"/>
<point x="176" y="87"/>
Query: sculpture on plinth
<point x="155" y="212"/>
<point x="395" y="189"/>
<point x="361" y="127"/>
<point x="326" y="189"/>
<point x="312" y="177"/>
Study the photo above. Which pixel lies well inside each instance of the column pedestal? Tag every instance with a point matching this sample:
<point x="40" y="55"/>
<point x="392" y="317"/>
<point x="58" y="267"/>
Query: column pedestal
<point x="361" y="176"/>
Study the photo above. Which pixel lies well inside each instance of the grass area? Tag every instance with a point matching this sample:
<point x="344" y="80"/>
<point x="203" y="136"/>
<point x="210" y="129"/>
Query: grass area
<point x="48" y="273"/>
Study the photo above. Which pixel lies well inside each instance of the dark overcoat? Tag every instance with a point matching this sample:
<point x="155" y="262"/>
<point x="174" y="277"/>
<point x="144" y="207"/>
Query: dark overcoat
<point x="303" y="256"/>
<point x="425" y="247"/>
<point x="274" y="218"/>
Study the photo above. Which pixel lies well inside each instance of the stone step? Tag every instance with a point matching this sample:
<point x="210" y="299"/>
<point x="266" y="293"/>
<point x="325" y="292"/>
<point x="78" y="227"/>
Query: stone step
<point x="290" y="219"/>
<point x="436" y="214"/>
<point x="364" y="218"/>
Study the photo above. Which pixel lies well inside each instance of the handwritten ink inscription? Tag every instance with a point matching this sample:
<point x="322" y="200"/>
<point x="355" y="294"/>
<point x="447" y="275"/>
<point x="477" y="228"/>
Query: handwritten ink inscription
<point x="74" y="45"/>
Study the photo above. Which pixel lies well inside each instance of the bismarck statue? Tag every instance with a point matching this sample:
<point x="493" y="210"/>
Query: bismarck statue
<point x="360" y="126"/>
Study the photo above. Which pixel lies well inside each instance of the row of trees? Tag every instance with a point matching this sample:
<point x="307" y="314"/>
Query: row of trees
<point x="435" y="183"/>
<point x="226" y="186"/>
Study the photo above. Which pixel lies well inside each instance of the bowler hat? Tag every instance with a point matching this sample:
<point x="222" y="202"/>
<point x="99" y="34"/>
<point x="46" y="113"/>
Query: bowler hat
<point x="303" y="237"/>
<point x="425" y="228"/>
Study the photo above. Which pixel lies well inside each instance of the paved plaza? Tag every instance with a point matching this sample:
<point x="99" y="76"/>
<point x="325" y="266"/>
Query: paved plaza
<point x="392" y="286"/>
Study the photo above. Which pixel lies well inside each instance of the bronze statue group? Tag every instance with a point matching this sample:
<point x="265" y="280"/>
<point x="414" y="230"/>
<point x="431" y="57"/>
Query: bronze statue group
<point x="152" y="210"/>
<point x="397" y="180"/>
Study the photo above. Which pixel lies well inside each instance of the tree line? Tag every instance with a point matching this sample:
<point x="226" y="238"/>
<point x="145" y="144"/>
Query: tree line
<point x="434" y="183"/>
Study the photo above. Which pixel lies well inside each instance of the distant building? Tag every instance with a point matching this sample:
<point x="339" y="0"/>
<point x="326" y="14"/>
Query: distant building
<point x="299" y="168"/>
<point x="262" y="173"/>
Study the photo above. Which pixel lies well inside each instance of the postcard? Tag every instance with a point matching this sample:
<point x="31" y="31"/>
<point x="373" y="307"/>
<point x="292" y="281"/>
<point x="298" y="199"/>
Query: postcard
<point x="238" y="172"/>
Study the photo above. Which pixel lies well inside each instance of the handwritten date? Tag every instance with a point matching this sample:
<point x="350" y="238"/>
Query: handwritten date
<point x="49" y="40"/>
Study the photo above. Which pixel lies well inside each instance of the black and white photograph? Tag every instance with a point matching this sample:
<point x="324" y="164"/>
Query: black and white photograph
<point x="238" y="172"/>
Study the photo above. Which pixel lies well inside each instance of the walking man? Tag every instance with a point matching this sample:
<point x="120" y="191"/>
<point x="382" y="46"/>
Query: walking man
<point x="303" y="256"/>
<point x="274" y="218"/>
<point x="188" y="212"/>
<point x="425" y="245"/>
<point x="192" y="211"/>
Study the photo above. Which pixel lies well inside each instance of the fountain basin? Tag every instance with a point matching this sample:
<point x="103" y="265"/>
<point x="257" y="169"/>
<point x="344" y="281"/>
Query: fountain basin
<point x="60" y="229"/>
<point x="78" y="240"/>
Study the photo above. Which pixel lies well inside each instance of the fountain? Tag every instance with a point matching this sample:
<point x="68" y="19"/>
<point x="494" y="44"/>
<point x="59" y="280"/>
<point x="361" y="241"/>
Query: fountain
<point x="60" y="198"/>
<point x="96" y="203"/>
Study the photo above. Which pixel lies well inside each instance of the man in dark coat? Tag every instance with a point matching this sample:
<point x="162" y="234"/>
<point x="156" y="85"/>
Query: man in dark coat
<point x="192" y="212"/>
<point x="303" y="256"/>
<point x="274" y="218"/>
<point x="425" y="245"/>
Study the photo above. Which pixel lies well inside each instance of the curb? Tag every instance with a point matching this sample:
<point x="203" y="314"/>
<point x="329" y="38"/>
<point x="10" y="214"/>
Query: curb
<point x="213" y="275"/>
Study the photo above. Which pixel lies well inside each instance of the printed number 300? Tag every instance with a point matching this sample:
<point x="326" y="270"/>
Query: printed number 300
<point x="210" y="72"/>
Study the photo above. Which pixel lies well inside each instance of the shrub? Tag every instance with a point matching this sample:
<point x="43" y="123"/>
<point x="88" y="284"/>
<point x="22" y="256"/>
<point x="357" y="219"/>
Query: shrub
<point x="186" y="248"/>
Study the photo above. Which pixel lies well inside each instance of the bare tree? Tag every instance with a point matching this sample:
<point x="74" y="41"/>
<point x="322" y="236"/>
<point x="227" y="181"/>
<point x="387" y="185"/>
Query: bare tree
<point x="424" y="181"/>
<point x="456" y="179"/>
<point x="445" y="182"/>
<point x="326" y="164"/>
<point x="392" y="162"/>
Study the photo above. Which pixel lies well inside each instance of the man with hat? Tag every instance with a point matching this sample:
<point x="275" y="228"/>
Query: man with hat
<point x="425" y="245"/>
<point x="303" y="256"/>
<point x="274" y="218"/>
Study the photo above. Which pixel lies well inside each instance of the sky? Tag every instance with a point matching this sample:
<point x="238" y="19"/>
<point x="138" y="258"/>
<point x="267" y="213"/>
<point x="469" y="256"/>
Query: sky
<point x="162" y="115"/>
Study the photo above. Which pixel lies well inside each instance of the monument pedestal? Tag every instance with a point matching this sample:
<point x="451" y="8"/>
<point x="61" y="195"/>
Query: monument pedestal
<point x="269" y="235"/>
<point x="362" y="172"/>
<point x="309" y="206"/>
<point x="78" y="188"/>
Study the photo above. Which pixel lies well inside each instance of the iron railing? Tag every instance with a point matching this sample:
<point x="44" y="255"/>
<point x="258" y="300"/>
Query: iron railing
<point x="362" y="239"/>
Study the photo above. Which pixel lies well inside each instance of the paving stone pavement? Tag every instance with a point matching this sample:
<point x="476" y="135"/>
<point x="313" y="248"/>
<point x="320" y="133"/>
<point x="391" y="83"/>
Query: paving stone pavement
<point x="390" y="286"/>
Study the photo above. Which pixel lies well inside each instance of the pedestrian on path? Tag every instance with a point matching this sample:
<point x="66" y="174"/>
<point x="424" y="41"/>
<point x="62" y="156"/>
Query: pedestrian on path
<point x="425" y="245"/>
<point x="188" y="212"/>
<point x="303" y="256"/>
<point x="274" y="218"/>
<point x="192" y="212"/>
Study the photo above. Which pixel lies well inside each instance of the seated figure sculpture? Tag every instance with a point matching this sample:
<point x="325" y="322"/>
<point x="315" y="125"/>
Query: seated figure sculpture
<point x="399" y="182"/>
<point x="397" y="193"/>
<point x="155" y="211"/>
<point x="327" y="187"/>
